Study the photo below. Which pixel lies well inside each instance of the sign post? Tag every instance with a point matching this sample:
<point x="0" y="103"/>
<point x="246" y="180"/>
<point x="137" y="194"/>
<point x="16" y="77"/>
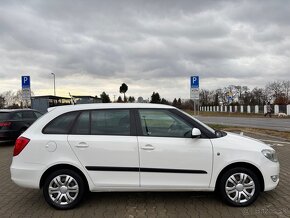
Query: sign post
<point x="194" y="91"/>
<point x="26" y="92"/>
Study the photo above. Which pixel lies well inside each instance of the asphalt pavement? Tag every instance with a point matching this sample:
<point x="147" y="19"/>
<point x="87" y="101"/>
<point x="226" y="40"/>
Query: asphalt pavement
<point x="280" y="124"/>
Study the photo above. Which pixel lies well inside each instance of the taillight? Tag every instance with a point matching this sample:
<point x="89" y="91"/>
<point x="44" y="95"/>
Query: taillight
<point x="4" y="124"/>
<point x="20" y="144"/>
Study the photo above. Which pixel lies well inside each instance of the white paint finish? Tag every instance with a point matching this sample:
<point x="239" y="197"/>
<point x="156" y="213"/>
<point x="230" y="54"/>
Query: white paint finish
<point x="176" y="153"/>
<point x="276" y="109"/>
<point x="256" y="109"/>
<point x="288" y="109"/>
<point x="242" y="109"/>
<point x="35" y="159"/>
<point x="248" y="109"/>
<point x="265" y="109"/>
<point x="231" y="108"/>
<point x="236" y="148"/>
<point x="123" y="151"/>
<point x="51" y="146"/>
<point x="110" y="151"/>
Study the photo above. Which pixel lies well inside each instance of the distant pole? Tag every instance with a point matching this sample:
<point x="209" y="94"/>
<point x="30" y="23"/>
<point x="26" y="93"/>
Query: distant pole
<point x="53" y="83"/>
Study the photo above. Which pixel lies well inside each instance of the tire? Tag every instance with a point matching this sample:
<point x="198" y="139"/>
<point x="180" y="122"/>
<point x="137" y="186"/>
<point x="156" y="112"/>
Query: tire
<point x="239" y="187"/>
<point x="64" y="189"/>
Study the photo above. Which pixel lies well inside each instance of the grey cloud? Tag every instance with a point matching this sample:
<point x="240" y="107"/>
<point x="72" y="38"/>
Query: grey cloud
<point x="141" y="40"/>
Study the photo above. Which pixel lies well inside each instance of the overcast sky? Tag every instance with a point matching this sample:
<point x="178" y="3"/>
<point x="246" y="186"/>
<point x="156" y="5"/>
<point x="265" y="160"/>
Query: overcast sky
<point x="94" y="46"/>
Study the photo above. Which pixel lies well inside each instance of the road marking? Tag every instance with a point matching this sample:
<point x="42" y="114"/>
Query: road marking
<point x="278" y="143"/>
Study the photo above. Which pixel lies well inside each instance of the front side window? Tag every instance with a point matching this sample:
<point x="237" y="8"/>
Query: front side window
<point x="163" y="123"/>
<point x="110" y="122"/>
<point x="61" y="124"/>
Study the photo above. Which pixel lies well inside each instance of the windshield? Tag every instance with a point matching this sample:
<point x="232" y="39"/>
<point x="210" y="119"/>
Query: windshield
<point x="199" y="122"/>
<point x="4" y="115"/>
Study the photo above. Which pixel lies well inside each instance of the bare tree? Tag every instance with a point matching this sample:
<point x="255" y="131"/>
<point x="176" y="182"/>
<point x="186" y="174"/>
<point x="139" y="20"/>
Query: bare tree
<point x="286" y="88"/>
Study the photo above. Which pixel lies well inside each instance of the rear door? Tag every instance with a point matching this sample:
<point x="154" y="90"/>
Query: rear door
<point x="105" y="142"/>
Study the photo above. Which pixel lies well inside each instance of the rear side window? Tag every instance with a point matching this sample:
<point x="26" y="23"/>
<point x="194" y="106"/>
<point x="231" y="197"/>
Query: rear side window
<point x="82" y="124"/>
<point x="61" y="125"/>
<point x="110" y="122"/>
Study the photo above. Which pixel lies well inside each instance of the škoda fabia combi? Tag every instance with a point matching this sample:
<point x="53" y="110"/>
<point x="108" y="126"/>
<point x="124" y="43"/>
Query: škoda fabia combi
<point x="138" y="147"/>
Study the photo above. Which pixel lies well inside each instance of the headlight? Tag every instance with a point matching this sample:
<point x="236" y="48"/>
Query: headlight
<point x="270" y="154"/>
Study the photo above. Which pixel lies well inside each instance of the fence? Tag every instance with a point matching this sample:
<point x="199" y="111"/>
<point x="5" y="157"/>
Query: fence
<point x="257" y="109"/>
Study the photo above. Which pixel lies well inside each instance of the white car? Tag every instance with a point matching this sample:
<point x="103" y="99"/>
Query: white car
<point x="138" y="147"/>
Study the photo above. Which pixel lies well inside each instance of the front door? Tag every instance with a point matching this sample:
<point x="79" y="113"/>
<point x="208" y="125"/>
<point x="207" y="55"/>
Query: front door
<point x="169" y="157"/>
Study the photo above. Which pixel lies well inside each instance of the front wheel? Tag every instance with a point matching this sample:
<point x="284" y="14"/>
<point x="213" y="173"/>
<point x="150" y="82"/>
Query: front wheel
<point x="63" y="189"/>
<point x="239" y="187"/>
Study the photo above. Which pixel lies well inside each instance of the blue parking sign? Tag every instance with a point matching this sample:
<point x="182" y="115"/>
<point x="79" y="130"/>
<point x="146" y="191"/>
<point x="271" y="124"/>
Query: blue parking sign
<point x="194" y="82"/>
<point x="25" y="82"/>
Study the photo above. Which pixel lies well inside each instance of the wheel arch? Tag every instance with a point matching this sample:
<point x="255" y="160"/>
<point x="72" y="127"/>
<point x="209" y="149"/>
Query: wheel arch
<point x="244" y="165"/>
<point x="59" y="167"/>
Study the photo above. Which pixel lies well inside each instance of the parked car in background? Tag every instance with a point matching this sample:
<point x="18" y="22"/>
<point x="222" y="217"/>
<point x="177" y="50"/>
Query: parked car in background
<point x="138" y="147"/>
<point x="13" y="122"/>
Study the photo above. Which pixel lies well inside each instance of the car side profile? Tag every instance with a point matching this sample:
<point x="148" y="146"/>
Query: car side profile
<point x="138" y="147"/>
<point x="13" y="122"/>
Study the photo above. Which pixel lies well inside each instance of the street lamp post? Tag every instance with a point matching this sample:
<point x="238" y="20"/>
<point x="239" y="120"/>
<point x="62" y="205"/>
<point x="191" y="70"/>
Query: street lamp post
<point x="53" y="83"/>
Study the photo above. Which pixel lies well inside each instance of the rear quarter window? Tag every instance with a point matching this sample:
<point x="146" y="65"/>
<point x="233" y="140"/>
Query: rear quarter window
<point x="61" y="124"/>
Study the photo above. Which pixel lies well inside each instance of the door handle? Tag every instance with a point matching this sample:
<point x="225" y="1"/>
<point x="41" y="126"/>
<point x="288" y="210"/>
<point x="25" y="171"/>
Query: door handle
<point x="148" y="147"/>
<point x="82" y="145"/>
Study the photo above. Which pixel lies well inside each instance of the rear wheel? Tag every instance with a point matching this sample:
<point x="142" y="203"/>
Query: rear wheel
<point x="63" y="189"/>
<point x="239" y="187"/>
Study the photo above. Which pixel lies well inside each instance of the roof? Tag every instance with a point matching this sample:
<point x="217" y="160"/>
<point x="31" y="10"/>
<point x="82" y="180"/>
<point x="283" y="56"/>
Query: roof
<point x="110" y="106"/>
<point x="50" y="97"/>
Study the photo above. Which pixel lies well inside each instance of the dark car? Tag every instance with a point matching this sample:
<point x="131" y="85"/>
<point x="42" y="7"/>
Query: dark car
<point x="15" y="122"/>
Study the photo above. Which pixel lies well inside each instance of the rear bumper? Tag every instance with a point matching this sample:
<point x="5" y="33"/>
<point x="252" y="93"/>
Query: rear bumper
<point x="26" y="175"/>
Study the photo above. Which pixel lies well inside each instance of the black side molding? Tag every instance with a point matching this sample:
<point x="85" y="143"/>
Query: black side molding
<point x="145" y="170"/>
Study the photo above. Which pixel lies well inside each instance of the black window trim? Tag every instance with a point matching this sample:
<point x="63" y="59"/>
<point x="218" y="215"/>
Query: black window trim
<point x="133" y="131"/>
<point x="205" y="133"/>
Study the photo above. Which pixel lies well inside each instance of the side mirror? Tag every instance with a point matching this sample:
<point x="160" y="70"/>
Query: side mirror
<point x="195" y="133"/>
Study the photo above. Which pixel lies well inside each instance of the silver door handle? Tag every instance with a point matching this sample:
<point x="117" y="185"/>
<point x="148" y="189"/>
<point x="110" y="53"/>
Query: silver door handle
<point x="82" y="145"/>
<point x="148" y="147"/>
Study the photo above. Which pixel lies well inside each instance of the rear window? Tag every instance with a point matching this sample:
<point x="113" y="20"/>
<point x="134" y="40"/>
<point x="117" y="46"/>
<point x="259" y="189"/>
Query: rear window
<point x="4" y="115"/>
<point x="28" y="115"/>
<point x="61" y="125"/>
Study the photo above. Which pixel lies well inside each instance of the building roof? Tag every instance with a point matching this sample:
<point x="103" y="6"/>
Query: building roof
<point x="18" y="109"/>
<point x="82" y="96"/>
<point x="51" y="97"/>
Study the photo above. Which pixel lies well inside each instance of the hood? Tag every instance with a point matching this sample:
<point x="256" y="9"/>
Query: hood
<point x="236" y="141"/>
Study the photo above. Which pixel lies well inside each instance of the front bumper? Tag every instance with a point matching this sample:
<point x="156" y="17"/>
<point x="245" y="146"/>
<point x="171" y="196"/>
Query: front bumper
<point x="269" y="170"/>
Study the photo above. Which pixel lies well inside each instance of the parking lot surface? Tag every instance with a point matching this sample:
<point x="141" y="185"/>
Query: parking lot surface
<point x="20" y="202"/>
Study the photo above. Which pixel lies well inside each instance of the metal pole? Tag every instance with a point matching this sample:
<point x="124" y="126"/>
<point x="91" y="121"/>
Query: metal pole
<point x="53" y="83"/>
